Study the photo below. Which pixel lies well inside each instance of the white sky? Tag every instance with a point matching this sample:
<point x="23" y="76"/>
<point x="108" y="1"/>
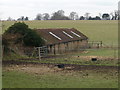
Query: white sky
<point x="30" y="8"/>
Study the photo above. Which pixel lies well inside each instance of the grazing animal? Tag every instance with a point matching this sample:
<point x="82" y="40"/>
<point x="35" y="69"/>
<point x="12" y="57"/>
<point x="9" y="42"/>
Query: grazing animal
<point x="94" y="59"/>
<point x="60" y="65"/>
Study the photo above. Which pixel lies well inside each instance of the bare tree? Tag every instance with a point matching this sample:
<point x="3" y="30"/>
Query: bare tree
<point x="9" y="19"/>
<point x="73" y="16"/>
<point x="86" y="16"/>
<point x="116" y="14"/>
<point x="100" y="15"/>
<point x="112" y="16"/>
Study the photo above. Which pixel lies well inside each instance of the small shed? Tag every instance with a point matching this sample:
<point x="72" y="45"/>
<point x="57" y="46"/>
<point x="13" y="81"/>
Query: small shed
<point x="63" y="40"/>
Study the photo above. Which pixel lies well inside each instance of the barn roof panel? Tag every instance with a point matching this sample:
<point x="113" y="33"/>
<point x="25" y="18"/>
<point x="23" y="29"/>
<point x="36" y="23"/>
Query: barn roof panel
<point x="60" y="35"/>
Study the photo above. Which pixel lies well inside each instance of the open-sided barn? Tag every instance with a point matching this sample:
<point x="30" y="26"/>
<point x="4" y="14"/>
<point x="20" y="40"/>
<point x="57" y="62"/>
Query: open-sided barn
<point x="63" y="40"/>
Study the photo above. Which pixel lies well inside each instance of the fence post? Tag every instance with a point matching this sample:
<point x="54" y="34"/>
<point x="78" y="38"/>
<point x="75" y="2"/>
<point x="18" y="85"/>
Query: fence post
<point x="39" y="53"/>
<point x="101" y="43"/>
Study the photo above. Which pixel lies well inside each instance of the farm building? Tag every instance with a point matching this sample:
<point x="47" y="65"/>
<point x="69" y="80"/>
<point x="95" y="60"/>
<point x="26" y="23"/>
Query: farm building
<point x="63" y="40"/>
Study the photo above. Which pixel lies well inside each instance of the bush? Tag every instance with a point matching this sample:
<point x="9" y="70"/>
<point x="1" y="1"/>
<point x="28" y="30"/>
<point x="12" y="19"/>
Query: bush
<point x="32" y="39"/>
<point x="28" y="36"/>
<point x="20" y="28"/>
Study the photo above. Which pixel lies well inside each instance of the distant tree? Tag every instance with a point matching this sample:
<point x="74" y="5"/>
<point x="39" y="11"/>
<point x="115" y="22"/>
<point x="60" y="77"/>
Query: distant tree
<point x="106" y="16"/>
<point x="26" y="18"/>
<point x="21" y="18"/>
<point x="100" y="15"/>
<point x="61" y="12"/>
<point x="56" y="16"/>
<point x="97" y="18"/>
<point x="90" y="18"/>
<point x="116" y="14"/>
<point x="94" y="18"/>
<point x="86" y="16"/>
<point x="46" y="16"/>
<point x="82" y="18"/>
<point x="9" y="19"/>
<point x="59" y="15"/>
<point x="76" y="17"/>
<point x="112" y="16"/>
<point x="65" y="18"/>
<point x="38" y="17"/>
<point x="73" y="16"/>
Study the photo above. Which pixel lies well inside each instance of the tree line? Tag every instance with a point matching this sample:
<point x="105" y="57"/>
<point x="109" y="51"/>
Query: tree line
<point x="60" y="15"/>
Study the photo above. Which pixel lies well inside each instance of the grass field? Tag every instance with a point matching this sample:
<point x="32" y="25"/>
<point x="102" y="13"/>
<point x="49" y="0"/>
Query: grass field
<point x="39" y="77"/>
<point x="106" y="57"/>
<point x="100" y="30"/>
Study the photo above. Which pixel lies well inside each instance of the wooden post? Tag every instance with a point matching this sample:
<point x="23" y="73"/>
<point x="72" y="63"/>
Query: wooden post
<point x="101" y="43"/>
<point x="39" y="53"/>
<point x="54" y="50"/>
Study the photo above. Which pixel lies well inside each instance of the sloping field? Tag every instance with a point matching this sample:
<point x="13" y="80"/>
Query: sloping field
<point x="103" y="30"/>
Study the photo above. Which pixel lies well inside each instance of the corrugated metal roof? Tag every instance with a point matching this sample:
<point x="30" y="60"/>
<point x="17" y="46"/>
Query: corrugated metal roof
<point x="60" y="35"/>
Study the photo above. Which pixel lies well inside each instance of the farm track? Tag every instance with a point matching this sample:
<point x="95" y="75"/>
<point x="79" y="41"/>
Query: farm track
<point x="72" y="66"/>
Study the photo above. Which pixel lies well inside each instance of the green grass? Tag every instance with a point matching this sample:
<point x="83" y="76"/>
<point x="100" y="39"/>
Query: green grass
<point x="104" y="52"/>
<point x="15" y="79"/>
<point x="98" y="30"/>
<point x="106" y="57"/>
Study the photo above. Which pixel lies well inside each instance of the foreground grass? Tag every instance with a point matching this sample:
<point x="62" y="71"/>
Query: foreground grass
<point x="96" y="30"/>
<point x="17" y="79"/>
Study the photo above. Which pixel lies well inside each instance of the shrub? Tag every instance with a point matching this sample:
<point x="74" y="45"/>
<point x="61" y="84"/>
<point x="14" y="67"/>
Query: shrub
<point x="32" y="39"/>
<point x="19" y="27"/>
<point x="28" y="36"/>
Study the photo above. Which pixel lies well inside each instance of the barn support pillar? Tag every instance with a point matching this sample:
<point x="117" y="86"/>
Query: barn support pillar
<point x="54" y="49"/>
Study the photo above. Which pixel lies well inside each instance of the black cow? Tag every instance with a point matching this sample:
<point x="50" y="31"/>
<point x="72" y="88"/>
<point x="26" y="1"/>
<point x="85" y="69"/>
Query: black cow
<point x="60" y="65"/>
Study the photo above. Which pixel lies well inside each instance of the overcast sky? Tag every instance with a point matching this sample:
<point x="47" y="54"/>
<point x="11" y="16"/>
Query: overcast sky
<point x="30" y="8"/>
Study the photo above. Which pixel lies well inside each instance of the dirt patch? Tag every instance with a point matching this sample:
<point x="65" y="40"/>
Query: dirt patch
<point x="33" y="69"/>
<point x="42" y="69"/>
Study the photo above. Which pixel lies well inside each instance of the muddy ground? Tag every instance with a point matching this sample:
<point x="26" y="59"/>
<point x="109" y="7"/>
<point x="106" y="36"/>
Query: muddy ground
<point x="41" y="68"/>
